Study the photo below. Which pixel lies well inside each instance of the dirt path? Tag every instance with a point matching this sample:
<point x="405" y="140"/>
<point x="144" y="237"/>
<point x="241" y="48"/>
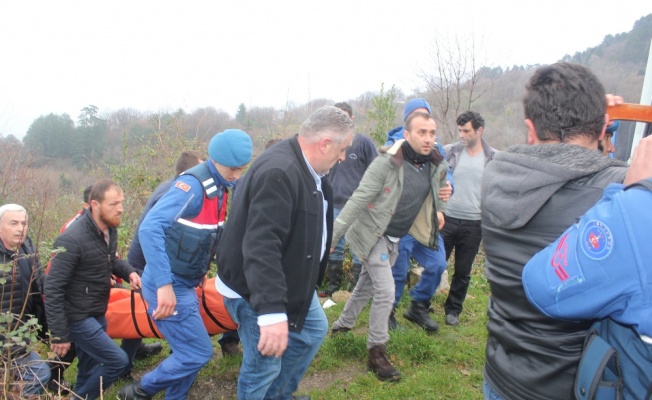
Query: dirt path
<point x="225" y="387"/>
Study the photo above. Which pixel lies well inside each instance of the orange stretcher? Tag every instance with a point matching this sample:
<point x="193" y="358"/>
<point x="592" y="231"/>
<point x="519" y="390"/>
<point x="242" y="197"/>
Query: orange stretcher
<point x="127" y="319"/>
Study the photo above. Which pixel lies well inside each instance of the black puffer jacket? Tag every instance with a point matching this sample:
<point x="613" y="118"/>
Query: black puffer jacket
<point x="79" y="282"/>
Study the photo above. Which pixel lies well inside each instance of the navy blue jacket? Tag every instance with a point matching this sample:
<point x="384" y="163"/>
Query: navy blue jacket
<point x="135" y="255"/>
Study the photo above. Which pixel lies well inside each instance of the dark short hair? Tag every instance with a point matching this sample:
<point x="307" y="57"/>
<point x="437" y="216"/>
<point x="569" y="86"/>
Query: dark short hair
<point x="86" y="195"/>
<point x="346" y="107"/>
<point x="187" y="160"/>
<point x="416" y="114"/>
<point x="476" y="119"/>
<point x="100" y="188"/>
<point x="565" y="100"/>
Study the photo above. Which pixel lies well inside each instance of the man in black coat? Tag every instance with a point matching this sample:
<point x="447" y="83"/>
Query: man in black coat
<point x="274" y="251"/>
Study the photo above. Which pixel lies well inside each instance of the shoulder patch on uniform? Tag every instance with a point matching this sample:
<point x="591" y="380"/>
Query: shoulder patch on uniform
<point x="596" y="240"/>
<point x="560" y="259"/>
<point x="183" y="186"/>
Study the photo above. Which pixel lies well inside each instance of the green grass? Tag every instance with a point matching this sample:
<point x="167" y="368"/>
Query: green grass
<point x="445" y="365"/>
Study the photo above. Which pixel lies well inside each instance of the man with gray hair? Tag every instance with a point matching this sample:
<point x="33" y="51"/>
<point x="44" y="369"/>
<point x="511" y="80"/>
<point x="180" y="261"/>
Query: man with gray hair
<point x="22" y="280"/>
<point x="274" y="251"/>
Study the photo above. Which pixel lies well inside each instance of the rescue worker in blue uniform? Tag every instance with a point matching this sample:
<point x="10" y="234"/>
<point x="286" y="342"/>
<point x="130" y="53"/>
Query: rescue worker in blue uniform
<point x="178" y="237"/>
<point x="599" y="269"/>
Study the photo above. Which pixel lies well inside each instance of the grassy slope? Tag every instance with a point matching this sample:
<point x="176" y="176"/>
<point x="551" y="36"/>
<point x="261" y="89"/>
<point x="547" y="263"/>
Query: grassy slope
<point x="446" y="365"/>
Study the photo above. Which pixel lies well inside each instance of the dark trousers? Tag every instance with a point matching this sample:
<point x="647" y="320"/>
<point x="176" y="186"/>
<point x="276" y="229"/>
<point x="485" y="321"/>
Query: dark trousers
<point x="464" y="236"/>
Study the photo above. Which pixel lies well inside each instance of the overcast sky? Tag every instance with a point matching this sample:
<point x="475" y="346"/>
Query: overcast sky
<point x="60" y="56"/>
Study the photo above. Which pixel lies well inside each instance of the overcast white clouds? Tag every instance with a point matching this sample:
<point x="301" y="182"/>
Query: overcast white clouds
<point x="64" y="55"/>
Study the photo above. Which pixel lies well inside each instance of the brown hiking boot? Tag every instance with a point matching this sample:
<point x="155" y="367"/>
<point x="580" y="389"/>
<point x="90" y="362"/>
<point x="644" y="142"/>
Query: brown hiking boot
<point x="378" y="363"/>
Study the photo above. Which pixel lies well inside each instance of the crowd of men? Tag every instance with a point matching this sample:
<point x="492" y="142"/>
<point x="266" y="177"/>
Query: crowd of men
<point x="293" y="211"/>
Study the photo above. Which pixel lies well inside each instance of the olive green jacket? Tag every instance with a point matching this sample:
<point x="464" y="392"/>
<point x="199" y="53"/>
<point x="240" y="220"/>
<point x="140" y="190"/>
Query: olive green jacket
<point x="366" y="215"/>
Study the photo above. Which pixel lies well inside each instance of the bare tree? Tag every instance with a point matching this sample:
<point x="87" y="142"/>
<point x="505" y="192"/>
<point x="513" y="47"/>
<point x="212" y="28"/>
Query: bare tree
<point x="454" y="83"/>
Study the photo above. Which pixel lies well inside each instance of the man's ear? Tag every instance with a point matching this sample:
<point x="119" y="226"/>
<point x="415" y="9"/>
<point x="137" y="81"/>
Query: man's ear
<point x="324" y="144"/>
<point x="405" y="134"/>
<point x="480" y="130"/>
<point x="531" y="132"/>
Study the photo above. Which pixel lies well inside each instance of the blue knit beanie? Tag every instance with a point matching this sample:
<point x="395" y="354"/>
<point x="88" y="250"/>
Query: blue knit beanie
<point x="231" y="148"/>
<point x="414" y="104"/>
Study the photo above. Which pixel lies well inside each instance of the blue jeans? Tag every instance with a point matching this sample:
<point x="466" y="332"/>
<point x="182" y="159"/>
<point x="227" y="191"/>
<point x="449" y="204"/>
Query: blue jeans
<point x="33" y="372"/>
<point x="433" y="263"/>
<point x="338" y="252"/>
<point x="187" y="337"/>
<point x="268" y="377"/>
<point x="100" y="358"/>
<point x="488" y="392"/>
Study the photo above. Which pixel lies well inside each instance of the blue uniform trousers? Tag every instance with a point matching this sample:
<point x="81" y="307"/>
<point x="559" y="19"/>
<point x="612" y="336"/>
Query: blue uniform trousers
<point x="187" y="337"/>
<point x="433" y="263"/>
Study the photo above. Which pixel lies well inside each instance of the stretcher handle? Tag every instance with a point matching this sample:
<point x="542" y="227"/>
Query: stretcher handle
<point x="630" y="112"/>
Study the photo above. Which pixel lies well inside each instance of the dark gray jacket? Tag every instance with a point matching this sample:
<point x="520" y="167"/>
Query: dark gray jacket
<point x="530" y="196"/>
